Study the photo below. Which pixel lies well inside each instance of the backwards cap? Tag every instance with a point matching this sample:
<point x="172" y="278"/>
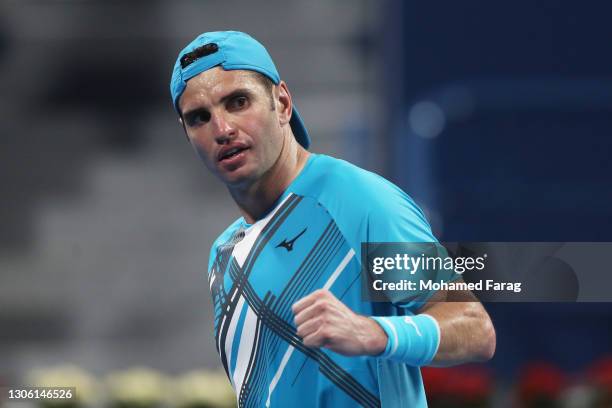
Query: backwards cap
<point x="230" y="50"/>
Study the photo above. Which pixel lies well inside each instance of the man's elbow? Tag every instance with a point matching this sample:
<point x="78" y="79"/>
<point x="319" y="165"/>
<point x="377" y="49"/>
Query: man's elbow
<point x="488" y="341"/>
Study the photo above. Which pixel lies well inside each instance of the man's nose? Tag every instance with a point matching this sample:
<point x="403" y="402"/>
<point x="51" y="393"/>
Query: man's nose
<point x="223" y="128"/>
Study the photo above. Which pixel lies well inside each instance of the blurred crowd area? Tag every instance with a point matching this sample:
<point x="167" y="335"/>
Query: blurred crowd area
<point x="495" y="118"/>
<point x="136" y="387"/>
<point x="107" y="216"/>
<point x="538" y="385"/>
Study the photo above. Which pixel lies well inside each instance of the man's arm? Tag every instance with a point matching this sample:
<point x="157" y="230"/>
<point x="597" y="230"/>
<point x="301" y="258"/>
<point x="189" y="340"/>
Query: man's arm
<point x="466" y="331"/>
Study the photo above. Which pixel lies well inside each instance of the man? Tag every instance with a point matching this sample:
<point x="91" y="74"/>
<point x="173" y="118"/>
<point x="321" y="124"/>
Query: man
<point x="291" y="327"/>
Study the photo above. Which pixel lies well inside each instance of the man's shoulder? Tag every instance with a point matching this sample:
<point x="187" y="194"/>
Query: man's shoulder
<point x="373" y="207"/>
<point x="361" y="201"/>
<point x="340" y="168"/>
<point x="348" y="180"/>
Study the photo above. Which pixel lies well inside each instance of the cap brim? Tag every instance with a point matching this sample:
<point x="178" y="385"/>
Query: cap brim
<point x="299" y="130"/>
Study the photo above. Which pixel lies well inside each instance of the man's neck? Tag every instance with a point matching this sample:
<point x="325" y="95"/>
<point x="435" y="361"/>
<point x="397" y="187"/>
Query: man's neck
<point x="257" y="199"/>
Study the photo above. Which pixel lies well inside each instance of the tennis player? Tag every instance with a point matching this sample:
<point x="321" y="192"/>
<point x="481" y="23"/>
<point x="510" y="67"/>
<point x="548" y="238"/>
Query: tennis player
<point x="291" y="327"/>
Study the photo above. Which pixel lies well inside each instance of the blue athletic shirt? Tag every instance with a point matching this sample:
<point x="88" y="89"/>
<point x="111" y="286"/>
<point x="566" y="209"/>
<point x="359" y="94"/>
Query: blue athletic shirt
<point x="311" y="239"/>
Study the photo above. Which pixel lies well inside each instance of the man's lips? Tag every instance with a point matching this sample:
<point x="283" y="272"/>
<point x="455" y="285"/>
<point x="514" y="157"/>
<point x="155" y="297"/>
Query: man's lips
<point x="234" y="161"/>
<point x="228" y="152"/>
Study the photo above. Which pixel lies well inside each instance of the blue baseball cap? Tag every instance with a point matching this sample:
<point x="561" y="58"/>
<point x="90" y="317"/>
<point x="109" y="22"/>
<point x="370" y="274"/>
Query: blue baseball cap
<point x="230" y="50"/>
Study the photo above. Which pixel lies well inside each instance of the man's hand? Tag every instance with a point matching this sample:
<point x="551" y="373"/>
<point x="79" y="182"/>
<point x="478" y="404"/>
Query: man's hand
<point x="324" y="321"/>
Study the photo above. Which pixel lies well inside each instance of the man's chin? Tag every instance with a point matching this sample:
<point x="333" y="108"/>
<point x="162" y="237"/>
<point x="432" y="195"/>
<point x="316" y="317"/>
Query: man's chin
<point x="237" y="179"/>
<point x="242" y="177"/>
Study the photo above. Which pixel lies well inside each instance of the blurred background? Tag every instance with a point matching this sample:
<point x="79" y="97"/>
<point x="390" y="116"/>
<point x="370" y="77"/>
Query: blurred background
<point x="496" y="118"/>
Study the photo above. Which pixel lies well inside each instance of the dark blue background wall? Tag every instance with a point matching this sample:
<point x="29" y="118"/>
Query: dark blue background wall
<point x="501" y="124"/>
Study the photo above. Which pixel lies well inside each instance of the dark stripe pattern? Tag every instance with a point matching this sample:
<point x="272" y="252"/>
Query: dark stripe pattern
<point x="272" y="329"/>
<point x="225" y="304"/>
<point x="327" y="366"/>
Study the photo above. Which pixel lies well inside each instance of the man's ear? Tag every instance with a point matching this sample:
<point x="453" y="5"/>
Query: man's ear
<point x="284" y="103"/>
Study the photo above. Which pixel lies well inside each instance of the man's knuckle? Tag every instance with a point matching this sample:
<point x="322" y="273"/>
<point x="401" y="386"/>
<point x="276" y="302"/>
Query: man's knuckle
<point x="325" y="334"/>
<point x="312" y="341"/>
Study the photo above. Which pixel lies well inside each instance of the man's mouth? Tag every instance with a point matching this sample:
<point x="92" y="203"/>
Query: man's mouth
<point x="230" y="153"/>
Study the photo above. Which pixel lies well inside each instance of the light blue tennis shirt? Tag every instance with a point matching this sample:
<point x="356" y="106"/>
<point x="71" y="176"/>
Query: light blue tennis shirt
<point x="311" y="239"/>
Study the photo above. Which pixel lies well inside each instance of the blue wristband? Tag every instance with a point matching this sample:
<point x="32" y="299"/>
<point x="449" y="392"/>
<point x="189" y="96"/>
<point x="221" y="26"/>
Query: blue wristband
<point x="413" y="340"/>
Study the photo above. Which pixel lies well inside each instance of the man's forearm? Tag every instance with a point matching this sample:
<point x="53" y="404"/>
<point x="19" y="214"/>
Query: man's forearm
<point x="461" y="332"/>
<point x="466" y="333"/>
<point x="445" y="333"/>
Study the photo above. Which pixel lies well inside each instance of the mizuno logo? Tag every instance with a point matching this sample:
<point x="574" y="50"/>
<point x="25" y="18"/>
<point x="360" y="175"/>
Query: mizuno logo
<point x="288" y="245"/>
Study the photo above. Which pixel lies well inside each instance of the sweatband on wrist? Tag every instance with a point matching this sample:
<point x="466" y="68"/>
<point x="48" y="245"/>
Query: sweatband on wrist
<point x="413" y="340"/>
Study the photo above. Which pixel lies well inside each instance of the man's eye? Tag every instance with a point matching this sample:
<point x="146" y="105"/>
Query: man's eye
<point x="238" y="102"/>
<point x="200" y="117"/>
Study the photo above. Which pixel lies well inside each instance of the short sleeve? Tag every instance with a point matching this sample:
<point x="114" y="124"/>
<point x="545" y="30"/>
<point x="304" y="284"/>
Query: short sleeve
<point x="395" y="218"/>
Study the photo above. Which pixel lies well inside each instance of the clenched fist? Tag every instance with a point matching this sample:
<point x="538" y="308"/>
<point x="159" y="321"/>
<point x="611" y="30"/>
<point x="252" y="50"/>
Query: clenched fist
<point x="324" y="321"/>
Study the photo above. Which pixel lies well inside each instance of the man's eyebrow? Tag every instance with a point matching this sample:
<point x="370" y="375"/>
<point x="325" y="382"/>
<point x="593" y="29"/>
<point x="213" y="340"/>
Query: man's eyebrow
<point x="225" y="98"/>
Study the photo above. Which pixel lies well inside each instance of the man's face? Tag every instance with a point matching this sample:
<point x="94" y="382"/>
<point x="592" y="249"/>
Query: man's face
<point x="233" y="124"/>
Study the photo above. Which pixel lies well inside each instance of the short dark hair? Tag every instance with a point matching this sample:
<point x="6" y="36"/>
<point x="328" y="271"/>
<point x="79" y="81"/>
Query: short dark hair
<point x="268" y="85"/>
